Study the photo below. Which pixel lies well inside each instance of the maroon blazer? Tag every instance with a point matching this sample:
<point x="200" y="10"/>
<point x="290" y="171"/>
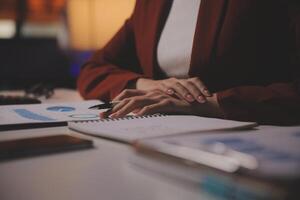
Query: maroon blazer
<point x="247" y="51"/>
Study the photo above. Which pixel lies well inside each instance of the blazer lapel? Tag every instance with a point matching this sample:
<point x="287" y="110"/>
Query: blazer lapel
<point x="209" y="23"/>
<point x="160" y="16"/>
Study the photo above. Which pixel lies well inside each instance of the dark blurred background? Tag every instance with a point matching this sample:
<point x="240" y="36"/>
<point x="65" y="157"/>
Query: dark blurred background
<point x="46" y="41"/>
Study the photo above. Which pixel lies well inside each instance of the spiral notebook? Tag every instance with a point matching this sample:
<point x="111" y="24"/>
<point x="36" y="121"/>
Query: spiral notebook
<point x="132" y="128"/>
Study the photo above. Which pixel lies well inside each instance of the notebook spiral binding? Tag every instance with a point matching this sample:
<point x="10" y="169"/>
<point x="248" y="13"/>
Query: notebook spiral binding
<point x="121" y="118"/>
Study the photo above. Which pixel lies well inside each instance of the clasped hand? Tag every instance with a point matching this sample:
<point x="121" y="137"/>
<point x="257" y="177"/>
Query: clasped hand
<point x="190" y="89"/>
<point x="167" y="96"/>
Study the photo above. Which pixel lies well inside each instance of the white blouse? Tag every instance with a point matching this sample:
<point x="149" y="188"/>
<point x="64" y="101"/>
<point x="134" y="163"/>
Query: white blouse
<point x="176" y="41"/>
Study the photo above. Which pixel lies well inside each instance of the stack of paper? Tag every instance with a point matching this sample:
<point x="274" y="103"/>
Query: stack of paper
<point x="14" y="116"/>
<point x="253" y="164"/>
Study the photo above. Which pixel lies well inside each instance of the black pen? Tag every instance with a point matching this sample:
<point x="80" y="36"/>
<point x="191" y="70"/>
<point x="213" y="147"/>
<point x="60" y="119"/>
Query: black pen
<point x="105" y="105"/>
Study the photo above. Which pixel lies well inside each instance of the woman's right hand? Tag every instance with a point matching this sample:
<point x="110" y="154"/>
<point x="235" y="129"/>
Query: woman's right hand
<point x="155" y="101"/>
<point x="190" y="89"/>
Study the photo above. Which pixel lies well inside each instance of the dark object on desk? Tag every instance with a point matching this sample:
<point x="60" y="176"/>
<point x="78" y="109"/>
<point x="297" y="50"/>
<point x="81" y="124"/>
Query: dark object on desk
<point x="11" y="100"/>
<point x="8" y="127"/>
<point x="28" y="61"/>
<point x="40" y="90"/>
<point x="41" y="145"/>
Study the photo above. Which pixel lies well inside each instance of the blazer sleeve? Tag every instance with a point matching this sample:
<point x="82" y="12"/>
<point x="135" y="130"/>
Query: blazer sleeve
<point x="277" y="103"/>
<point x="111" y="69"/>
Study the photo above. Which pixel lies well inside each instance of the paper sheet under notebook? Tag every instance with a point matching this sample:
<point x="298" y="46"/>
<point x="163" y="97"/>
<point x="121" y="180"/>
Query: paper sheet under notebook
<point x="132" y="128"/>
<point x="47" y="113"/>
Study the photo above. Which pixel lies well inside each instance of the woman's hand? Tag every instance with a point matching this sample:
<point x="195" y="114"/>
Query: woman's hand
<point x="156" y="101"/>
<point x="191" y="89"/>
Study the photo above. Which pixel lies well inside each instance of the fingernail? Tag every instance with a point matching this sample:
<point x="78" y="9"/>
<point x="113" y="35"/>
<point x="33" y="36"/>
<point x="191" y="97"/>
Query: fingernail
<point x="102" y="115"/>
<point x="112" y="116"/>
<point x="206" y="92"/>
<point x="201" y="99"/>
<point x="170" y="91"/>
<point x="189" y="97"/>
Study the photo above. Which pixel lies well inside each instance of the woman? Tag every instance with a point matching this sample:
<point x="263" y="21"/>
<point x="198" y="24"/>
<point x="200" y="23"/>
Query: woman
<point x="231" y="59"/>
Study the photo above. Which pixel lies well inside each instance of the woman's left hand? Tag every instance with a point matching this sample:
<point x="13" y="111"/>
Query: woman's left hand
<point x="151" y="102"/>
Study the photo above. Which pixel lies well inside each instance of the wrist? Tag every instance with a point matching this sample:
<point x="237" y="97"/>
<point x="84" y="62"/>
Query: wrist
<point x="211" y="108"/>
<point x="145" y="84"/>
<point x="214" y="105"/>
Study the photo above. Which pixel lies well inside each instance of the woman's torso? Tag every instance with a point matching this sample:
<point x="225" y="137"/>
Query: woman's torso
<point x="235" y="42"/>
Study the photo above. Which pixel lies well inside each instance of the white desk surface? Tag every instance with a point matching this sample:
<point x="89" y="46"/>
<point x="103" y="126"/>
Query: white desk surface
<point x="99" y="173"/>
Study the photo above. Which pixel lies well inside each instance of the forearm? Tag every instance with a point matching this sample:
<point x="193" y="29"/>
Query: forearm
<point x="277" y="104"/>
<point x="146" y="84"/>
<point x="110" y="70"/>
<point x="104" y="82"/>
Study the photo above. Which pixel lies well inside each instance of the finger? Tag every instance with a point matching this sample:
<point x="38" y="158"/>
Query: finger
<point x="127" y="93"/>
<point x="133" y="104"/>
<point x="153" y="109"/>
<point x="120" y="105"/>
<point x="170" y="91"/>
<point x="154" y="95"/>
<point x="136" y="110"/>
<point x="169" y="87"/>
<point x="167" y="84"/>
<point x="194" y="91"/>
<point x="201" y="86"/>
<point x="165" y="106"/>
<point x="129" y="107"/>
<point x="166" y="88"/>
<point x="105" y="114"/>
<point x="182" y="92"/>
